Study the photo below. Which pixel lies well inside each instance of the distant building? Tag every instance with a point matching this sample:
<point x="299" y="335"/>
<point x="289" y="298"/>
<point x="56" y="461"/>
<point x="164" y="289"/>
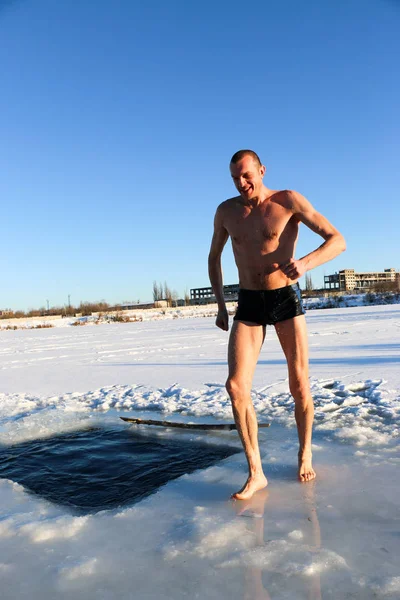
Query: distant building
<point x="206" y="295"/>
<point x="145" y="305"/>
<point x="5" y="312"/>
<point x="133" y="306"/>
<point x="348" y="280"/>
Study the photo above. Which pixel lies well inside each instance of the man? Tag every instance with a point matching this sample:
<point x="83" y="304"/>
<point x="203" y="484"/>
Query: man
<point x="263" y="225"/>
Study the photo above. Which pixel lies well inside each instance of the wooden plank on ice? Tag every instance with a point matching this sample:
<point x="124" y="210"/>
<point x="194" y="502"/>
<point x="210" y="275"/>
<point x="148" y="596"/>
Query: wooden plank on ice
<point x="203" y="426"/>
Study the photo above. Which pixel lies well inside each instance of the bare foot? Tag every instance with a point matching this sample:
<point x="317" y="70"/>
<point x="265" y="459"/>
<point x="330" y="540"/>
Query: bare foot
<point x="255" y="506"/>
<point x="306" y="472"/>
<point x="252" y="485"/>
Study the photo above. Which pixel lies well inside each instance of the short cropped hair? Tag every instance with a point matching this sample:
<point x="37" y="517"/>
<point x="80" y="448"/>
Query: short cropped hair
<point x="242" y="153"/>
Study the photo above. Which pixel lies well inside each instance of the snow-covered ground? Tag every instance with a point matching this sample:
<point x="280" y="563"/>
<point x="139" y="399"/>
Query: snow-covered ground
<point x="335" y="538"/>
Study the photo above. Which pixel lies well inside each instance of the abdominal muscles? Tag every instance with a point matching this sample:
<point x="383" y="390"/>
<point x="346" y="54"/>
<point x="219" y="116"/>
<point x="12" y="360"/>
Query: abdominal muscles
<point x="261" y="273"/>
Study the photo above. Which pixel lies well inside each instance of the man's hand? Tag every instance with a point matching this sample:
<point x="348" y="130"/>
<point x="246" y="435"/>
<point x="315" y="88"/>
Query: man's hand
<point x="294" y="268"/>
<point x="222" y="319"/>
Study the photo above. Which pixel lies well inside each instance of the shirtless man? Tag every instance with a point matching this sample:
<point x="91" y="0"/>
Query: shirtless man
<point x="263" y="225"/>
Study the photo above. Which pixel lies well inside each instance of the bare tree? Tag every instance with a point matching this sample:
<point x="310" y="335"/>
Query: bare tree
<point x="309" y="283"/>
<point x="175" y="297"/>
<point x="186" y="297"/>
<point x="156" y="292"/>
<point x="167" y="294"/>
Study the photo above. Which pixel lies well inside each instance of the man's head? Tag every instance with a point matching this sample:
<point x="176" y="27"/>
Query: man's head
<point x="247" y="173"/>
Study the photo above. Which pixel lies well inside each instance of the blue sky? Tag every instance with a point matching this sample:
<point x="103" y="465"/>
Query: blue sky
<point x="118" y="120"/>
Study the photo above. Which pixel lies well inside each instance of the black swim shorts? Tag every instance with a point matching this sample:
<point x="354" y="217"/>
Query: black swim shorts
<point x="267" y="307"/>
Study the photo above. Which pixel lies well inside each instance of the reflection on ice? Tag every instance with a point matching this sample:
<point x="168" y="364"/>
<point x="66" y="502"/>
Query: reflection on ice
<point x="299" y="541"/>
<point x="303" y="561"/>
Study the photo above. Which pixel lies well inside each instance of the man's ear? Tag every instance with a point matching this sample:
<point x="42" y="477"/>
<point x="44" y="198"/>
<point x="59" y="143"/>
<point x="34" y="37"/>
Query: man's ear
<point x="263" y="170"/>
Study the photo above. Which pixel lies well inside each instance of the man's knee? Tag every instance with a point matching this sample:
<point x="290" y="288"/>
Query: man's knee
<point x="238" y="389"/>
<point x="300" y="389"/>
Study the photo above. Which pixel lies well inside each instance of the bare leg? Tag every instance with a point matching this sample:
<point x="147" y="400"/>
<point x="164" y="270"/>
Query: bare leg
<point x="292" y="335"/>
<point x="244" y="347"/>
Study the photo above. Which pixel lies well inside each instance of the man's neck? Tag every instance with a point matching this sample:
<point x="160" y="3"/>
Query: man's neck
<point x="265" y="193"/>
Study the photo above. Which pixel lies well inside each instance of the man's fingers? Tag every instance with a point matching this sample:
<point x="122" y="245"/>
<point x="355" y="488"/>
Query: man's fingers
<point x="290" y="269"/>
<point x="222" y="324"/>
<point x="289" y="263"/>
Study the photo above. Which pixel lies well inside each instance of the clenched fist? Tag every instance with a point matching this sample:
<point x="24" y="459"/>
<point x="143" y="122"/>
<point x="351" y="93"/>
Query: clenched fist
<point x="222" y="319"/>
<point x="293" y="268"/>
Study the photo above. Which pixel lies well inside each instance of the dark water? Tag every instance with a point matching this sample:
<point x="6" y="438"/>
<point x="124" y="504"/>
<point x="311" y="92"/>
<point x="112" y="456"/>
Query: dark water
<point x="100" y="468"/>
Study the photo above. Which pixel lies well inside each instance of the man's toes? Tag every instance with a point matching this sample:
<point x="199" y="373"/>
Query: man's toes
<point x="306" y="476"/>
<point x="309" y="476"/>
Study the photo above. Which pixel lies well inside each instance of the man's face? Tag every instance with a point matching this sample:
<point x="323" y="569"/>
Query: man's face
<point x="247" y="177"/>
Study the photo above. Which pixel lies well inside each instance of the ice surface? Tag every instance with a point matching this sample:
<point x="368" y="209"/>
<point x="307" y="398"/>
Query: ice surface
<point x="335" y="538"/>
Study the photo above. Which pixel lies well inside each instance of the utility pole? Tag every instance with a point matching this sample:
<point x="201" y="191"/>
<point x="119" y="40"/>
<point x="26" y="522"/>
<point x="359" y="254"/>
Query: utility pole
<point x="47" y="306"/>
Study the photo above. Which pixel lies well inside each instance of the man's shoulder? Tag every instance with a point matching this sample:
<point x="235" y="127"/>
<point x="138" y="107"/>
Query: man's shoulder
<point x="228" y="204"/>
<point x="288" y="199"/>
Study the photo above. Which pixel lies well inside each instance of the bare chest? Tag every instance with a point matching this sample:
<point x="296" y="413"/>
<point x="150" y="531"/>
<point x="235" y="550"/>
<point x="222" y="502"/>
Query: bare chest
<point x="260" y="228"/>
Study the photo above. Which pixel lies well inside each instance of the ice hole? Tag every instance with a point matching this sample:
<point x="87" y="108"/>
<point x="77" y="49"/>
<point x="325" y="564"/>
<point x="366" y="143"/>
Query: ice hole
<point x="99" y="468"/>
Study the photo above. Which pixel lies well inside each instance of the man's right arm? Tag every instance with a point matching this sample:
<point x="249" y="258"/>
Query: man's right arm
<point x="218" y="242"/>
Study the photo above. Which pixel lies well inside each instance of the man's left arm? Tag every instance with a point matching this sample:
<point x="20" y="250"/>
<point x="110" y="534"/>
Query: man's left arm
<point x="333" y="245"/>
